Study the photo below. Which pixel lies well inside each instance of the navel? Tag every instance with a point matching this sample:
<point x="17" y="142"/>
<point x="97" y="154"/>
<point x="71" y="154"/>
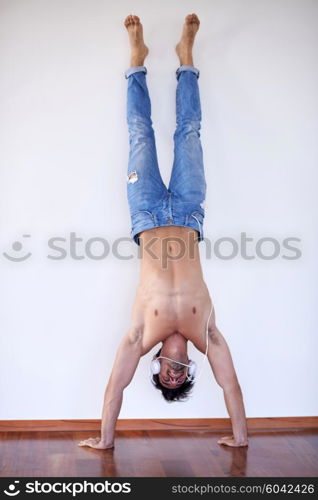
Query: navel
<point x="156" y="312"/>
<point x="194" y="310"/>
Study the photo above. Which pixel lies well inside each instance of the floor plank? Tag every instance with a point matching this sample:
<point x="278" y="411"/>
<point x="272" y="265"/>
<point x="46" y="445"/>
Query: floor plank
<point x="159" y="453"/>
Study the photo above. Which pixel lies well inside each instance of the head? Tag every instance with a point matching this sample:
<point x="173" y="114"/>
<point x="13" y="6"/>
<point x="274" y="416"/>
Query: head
<point x="172" y="379"/>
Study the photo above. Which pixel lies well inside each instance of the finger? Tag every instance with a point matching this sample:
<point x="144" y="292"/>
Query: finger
<point x="89" y="441"/>
<point x="228" y="442"/>
<point x="91" y="444"/>
<point x="85" y="442"/>
<point x="224" y="438"/>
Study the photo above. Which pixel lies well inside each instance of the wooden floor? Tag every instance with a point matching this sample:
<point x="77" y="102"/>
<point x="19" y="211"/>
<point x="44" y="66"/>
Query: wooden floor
<point x="188" y="453"/>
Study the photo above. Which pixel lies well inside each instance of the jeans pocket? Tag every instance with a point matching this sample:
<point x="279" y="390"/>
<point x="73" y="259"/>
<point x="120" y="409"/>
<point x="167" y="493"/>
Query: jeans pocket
<point x="142" y="217"/>
<point x="198" y="216"/>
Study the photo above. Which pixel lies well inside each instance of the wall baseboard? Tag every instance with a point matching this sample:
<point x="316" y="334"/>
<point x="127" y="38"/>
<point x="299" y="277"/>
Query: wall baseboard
<point x="207" y="424"/>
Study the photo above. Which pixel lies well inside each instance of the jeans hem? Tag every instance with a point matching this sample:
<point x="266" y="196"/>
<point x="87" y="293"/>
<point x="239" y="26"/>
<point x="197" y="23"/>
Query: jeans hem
<point x="187" y="68"/>
<point x="135" y="69"/>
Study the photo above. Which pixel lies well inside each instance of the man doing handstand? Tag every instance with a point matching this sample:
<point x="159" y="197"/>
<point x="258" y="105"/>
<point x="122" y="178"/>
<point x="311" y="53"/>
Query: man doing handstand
<point x="172" y="304"/>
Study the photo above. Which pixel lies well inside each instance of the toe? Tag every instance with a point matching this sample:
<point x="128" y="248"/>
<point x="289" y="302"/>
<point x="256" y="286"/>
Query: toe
<point x="128" y="20"/>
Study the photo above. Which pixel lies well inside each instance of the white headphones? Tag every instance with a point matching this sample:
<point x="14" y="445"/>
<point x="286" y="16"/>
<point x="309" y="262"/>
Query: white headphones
<point x="155" y="367"/>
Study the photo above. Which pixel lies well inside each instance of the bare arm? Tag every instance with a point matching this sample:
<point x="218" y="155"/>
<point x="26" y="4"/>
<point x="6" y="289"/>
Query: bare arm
<point x="223" y="369"/>
<point x="126" y="362"/>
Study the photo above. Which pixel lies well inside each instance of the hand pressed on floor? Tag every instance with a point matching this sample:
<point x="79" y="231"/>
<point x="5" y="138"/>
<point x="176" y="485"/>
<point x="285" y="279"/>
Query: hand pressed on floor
<point x="231" y="441"/>
<point x="96" y="443"/>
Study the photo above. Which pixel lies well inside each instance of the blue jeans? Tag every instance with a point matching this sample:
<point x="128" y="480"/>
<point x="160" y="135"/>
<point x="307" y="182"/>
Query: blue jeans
<point x="151" y="203"/>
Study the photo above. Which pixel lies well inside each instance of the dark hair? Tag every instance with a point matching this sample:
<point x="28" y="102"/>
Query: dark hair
<point x="177" y="394"/>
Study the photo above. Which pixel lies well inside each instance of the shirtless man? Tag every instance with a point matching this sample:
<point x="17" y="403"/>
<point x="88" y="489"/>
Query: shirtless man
<point x="172" y="303"/>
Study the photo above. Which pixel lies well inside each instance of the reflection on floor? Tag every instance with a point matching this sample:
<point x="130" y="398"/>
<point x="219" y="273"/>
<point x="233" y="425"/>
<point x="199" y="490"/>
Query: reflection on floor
<point x="292" y="453"/>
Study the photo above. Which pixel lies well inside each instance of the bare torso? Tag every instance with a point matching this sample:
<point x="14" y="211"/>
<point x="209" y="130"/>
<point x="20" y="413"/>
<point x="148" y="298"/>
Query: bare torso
<point x="172" y="295"/>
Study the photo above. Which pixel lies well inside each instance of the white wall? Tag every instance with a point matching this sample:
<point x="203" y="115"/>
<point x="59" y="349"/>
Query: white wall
<point x="64" y="148"/>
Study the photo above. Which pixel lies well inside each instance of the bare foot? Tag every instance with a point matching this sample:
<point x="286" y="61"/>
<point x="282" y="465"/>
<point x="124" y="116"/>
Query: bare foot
<point x="139" y="50"/>
<point x="184" y="47"/>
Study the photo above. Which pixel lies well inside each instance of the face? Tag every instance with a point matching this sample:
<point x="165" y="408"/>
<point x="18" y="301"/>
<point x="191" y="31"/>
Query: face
<point x="172" y="375"/>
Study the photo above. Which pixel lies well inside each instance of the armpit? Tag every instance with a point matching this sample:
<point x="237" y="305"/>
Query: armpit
<point x="136" y="335"/>
<point x="215" y="336"/>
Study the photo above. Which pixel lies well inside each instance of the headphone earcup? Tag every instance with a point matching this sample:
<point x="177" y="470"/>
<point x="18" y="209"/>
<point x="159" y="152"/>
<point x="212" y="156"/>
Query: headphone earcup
<point x="155" y="367"/>
<point x="192" y="368"/>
